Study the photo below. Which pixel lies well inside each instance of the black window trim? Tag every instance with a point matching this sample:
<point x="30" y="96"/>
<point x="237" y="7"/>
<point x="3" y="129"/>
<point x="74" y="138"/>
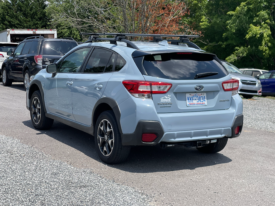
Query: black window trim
<point x="113" y="52"/>
<point x="84" y="62"/>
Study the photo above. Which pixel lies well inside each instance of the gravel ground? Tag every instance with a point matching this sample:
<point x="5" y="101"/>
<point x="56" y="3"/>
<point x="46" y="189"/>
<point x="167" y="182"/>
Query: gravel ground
<point x="259" y="113"/>
<point x="29" y="177"/>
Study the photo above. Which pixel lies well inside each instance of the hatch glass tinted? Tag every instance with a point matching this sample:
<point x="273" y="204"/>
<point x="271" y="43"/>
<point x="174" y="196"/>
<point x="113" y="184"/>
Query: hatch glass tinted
<point x="182" y="66"/>
<point x="57" y="47"/>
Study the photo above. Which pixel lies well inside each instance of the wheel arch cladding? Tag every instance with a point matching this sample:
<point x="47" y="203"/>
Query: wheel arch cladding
<point x="105" y="104"/>
<point x="36" y="86"/>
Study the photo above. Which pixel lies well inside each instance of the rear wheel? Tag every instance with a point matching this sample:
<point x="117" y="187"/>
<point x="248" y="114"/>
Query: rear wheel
<point x="5" y="79"/>
<point x="247" y="96"/>
<point x="37" y="112"/>
<point x="108" y="141"/>
<point x="214" y="147"/>
<point x="26" y="79"/>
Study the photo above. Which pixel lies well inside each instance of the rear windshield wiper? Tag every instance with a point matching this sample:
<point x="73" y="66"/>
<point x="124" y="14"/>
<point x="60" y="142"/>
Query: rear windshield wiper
<point x="206" y="74"/>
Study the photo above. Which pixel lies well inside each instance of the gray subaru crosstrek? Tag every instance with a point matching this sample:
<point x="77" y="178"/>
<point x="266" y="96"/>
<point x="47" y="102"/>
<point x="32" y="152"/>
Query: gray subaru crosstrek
<point x="129" y="93"/>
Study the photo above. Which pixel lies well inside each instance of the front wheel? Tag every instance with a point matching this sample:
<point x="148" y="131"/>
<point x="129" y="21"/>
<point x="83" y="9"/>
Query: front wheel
<point x="5" y="79"/>
<point x="108" y="141"/>
<point x="37" y="112"/>
<point x="214" y="147"/>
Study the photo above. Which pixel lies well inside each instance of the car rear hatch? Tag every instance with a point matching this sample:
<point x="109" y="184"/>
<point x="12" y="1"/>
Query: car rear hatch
<point x="196" y="82"/>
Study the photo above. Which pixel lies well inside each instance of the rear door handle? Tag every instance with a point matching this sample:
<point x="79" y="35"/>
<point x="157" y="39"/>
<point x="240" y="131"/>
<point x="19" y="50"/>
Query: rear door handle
<point x="69" y="83"/>
<point x="98" y="87"/>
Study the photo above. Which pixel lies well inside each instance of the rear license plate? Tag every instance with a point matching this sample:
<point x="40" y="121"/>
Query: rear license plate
<point x="196" y="99"/>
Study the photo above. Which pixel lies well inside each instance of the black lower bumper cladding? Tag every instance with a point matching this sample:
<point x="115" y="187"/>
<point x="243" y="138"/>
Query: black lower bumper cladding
<point x="237" y="123"/>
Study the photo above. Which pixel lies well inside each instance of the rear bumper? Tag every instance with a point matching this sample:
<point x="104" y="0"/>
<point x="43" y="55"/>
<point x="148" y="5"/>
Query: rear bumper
<point x="155" y="127"/>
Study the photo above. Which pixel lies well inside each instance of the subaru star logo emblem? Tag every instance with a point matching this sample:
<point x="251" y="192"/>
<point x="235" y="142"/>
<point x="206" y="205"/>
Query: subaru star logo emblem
<point x="199" y="87"/>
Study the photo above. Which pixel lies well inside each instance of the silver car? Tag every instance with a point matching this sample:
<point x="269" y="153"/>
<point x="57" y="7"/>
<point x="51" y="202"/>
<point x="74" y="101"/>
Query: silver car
<point x="248" y="85"/>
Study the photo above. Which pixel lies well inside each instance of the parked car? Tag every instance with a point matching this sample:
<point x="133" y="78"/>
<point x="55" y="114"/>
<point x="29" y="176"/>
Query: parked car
<point x="4" y="49"/>
<point x="32" y="55"/>
<point x="128" y="93"/>
<point x="252" y="71"/>
<point x="248" y="85"/>
<point x="268" y="83"/>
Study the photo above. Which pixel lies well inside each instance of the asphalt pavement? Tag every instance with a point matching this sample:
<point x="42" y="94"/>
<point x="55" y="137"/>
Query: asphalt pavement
<point x="60" y="166"/>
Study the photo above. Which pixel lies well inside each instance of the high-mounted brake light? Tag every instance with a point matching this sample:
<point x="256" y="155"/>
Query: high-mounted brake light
<point x="231" y="85"/>
<point x="38" y="59"/>
<point x="145" y="89"/>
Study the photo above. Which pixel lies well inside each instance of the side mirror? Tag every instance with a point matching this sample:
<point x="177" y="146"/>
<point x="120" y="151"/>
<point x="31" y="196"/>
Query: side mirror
<point x="10" y="53"/>
<point x="51" y="68"/>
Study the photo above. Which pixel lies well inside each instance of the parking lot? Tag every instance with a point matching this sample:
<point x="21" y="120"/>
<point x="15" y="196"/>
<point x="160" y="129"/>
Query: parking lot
<point x="61" y="167"/>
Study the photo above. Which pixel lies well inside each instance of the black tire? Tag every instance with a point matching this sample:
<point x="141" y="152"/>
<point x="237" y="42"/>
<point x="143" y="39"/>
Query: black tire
<point x="42" y="123"/>
<point x="214" y="147"/>
<point x="110" y="142"/>
<point x="247" y="96"/>
<point x="5" y="79"/>
<point x="28" y="76"/>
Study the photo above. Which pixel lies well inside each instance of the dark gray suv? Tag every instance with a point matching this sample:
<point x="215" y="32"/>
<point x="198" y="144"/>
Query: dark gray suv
<point x="32" y="55"/>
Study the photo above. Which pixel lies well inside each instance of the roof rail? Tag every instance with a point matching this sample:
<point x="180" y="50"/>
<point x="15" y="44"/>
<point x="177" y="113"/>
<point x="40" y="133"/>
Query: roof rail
<point x="156" y="38"/>
<point x="70" y="38"/>
<point x="34" y="37"/>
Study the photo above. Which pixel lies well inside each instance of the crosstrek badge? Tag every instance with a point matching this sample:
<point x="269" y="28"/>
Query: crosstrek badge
<point x="196" y="99"/>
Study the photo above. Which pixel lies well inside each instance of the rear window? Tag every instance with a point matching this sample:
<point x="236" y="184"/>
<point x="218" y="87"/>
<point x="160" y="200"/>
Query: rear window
<point x="182" y="66"/>
<point x="7" y="47"/>
<point x="57" y="47"/>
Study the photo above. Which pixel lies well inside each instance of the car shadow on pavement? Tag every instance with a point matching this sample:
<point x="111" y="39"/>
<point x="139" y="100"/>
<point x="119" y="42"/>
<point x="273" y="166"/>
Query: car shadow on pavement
<point x="16" y="86"/>
<point x="141" y="159"/>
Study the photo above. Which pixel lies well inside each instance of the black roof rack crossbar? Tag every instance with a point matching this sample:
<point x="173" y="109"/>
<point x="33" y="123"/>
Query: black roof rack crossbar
<point x="122" y="37"/>
<point x="34" y="37"/>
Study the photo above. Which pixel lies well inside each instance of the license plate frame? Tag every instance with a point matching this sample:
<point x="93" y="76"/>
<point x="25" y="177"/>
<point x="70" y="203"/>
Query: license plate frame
<point x="196" y="99"/>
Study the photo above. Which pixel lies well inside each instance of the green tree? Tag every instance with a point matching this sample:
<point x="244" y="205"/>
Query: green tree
<point x="22" y="14"/>
<point x="250" y="28"/>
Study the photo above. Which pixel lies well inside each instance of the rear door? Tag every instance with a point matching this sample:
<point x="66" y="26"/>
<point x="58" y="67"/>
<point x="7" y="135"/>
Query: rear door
<point x="189" y="93"/>
<point x="89" y="86"/>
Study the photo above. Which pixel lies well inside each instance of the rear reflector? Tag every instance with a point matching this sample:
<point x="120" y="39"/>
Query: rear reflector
<point x="231" y="85"/>
<point x="38" y="59"/>
<point x="237" y="130"/>
<point x="148" y="137"/>
<point x="144" y="89"/>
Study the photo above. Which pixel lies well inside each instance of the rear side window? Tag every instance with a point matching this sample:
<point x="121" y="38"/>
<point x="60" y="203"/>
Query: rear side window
<point x="111" y="63"/>
<point x="120" y="62"/>
<point x="98" y="61"/>
<point x="34" y="47"/>
<point x="182" y="66"/>
<point x="57" y="47"/>
<point x="26" y="48"/>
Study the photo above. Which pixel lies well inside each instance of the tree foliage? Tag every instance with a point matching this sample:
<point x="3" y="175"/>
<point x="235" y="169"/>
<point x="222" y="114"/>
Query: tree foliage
<point x="21" y="14"/>
<point x="239" y="31"/>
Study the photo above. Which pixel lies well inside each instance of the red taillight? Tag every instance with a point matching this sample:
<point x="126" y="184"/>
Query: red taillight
<point x="144" y="89"/>
<point x="148" y="137"/>
<point x="38" y="59"/>
<point x="231" y="85"/>
<point x="237" y="130"/>
<point x="1" y="55"/>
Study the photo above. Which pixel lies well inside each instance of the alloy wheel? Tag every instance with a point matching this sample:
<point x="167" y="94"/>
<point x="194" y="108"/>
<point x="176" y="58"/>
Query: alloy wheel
<point x="4" y="77"/>
<point x="36" y="110"/>
<point x="105" y="137"/>
<point x="27" y="80"/>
